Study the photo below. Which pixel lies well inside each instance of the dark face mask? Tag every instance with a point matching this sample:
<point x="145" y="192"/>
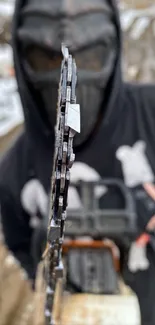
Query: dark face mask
<point x="95" y="64"/>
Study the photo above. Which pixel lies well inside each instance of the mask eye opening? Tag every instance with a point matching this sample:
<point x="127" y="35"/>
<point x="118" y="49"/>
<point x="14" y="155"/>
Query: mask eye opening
<point x="41" y="59"/>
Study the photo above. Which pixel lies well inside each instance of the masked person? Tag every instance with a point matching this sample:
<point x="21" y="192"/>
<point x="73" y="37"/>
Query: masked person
<point x="117" y="122"/>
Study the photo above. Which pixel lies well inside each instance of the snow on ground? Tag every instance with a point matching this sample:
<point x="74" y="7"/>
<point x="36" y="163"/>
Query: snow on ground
<point x="10" y="106"/>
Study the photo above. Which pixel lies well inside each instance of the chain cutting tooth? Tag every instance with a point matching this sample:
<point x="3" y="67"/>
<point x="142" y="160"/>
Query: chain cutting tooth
<point x="47" y="313"/>
<point x="63" y="176"/>
<point x="59" y="271"/>
<point x="60" y="209"/>
<point x="49" y="291"/>
<point x="64" y="155"/>
<point x="69" y="75"/>
<point x="73" y="83"/>
<point x="68" y="94"/>
<point x="71" y="160"/>
<point x="54" y="232"/>
<point x="64" y="216"/>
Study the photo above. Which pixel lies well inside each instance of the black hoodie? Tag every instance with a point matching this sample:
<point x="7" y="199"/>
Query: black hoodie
<point x="122" y="147"/>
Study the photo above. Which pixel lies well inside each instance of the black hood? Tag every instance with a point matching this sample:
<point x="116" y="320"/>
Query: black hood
<point x="34" y="124"/>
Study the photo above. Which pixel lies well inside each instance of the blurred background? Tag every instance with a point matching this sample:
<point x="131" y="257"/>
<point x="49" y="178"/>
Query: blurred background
<point x="138" y="27"/>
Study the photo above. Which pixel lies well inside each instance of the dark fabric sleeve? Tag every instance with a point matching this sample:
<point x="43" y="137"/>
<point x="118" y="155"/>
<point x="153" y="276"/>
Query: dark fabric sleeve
<point x="17" y="232"/>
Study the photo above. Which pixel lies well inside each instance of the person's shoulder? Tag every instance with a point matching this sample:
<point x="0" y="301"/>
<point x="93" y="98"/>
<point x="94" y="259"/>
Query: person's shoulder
<point x="140" y="89"/>
<point x="140" y="95"/>
<point x="9" y="162"/>
<point x="148" y="93"/>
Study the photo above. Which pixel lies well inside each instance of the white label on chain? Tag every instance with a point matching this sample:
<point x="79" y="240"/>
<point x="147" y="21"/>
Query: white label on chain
<point x="73" y="117"/>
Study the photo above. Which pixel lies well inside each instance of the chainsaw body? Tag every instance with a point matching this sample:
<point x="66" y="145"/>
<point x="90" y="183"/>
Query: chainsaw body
<point x="97" y="294"/>
<point x="93" y="291"/>
<point x="94" y="236"/>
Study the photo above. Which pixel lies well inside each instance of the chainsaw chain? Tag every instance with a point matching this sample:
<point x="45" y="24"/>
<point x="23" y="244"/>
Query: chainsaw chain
<point x="68" y="123"/>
